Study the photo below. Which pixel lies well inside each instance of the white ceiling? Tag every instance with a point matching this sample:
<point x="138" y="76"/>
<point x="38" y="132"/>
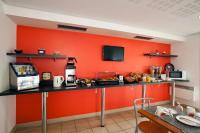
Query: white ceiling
<point x="175" y="17"/>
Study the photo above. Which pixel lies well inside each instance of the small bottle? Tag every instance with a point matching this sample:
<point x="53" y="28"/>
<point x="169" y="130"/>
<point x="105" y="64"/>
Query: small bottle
<point x="179" y="108"/>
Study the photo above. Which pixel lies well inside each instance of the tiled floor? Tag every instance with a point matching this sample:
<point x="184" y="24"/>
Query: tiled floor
<point x="123" y="122"/>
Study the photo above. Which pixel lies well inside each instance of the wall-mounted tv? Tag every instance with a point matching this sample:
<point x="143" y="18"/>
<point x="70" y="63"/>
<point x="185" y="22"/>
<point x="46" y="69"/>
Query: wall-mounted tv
<point x="113" y="53"/>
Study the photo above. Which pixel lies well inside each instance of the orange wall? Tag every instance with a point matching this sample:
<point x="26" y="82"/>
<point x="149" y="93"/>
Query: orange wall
<point x="87" y="48"/>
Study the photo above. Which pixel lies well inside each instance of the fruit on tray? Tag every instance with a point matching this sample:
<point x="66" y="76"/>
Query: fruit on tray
<point x="109" y="79"/>
<point x="133" y="77"/>
<point x="129" y="79"/>
<point x="85" y="82"/>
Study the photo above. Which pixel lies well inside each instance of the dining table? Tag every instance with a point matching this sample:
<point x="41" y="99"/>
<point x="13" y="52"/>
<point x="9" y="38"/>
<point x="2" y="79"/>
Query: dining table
<point x="168" y="122"/>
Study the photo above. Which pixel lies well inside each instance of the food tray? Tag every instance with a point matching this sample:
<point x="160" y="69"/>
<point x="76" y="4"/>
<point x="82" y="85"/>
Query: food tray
<point x="107" y="82"/>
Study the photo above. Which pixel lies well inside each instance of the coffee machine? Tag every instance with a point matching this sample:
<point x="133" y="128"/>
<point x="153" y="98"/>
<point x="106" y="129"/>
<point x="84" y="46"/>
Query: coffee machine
<point x="155" y="71"/>
<point x="70" y="72"/>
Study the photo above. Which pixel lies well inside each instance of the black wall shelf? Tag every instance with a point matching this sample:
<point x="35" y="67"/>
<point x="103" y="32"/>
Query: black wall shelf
<point x="30" y="56"/>
<point x="160" y="55"/>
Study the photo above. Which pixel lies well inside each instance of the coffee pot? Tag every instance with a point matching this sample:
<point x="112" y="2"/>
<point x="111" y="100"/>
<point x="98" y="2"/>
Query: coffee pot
<point x="155" y="71"/>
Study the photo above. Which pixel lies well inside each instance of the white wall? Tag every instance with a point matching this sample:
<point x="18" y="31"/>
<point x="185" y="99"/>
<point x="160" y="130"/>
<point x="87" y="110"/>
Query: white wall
<point x="7" y="43"/>
<point x="189" y="59"/>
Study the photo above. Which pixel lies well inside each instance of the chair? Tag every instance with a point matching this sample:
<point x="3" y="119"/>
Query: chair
<point x="146" y="126"/>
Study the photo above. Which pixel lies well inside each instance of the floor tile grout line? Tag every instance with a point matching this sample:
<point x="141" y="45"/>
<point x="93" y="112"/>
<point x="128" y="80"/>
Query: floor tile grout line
<point x="90" y="125"/>
<point x="72" y="124"/>
<point x="106" y="128"/>
<point x="120" y="126"/>
<point x="75" y="126"/>
<point x="110" y="117"/>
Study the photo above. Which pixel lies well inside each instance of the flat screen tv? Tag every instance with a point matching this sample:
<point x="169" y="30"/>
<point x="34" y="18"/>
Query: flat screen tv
<point x="113" y="53"/>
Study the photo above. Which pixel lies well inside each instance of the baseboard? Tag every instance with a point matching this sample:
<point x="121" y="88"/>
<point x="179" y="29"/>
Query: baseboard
<point x="75" y="117"/>
<point x="13" y="129"/>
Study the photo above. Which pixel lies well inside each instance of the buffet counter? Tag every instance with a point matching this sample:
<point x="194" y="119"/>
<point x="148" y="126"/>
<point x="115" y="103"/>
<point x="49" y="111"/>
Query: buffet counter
<point x="44" y="91"/>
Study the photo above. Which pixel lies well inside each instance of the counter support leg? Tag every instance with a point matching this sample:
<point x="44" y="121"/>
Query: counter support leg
<point x="44" y="112"/>
<point x="144" y="89"/>
<point x="173" y="97"/>
<point x="102" y="106"/>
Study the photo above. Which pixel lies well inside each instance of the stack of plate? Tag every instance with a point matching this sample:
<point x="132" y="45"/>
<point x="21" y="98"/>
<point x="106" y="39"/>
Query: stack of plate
<point x="188" y="120"/>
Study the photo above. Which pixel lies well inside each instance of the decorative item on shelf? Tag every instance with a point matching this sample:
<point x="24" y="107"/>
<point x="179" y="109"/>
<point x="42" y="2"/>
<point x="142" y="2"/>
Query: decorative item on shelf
<point x="29" y="56"/>
<point x="56" y="53"/>
<point x="157" y="52"/>
<point x="41" y="51"/>
<point x="18" y="51"/>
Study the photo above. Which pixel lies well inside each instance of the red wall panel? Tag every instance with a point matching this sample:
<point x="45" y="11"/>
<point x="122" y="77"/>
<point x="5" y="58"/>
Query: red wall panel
<point x="87" y="48"/>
